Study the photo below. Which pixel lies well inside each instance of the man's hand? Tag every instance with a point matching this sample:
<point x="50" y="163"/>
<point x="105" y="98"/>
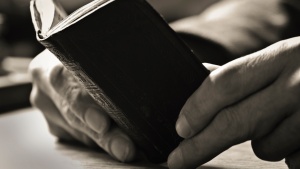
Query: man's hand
<point x="70" y="111"/>
<point x="256" y="98"/>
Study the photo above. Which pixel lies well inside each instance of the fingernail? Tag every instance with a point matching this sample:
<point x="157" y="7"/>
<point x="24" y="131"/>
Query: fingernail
<point x="182" y="127"/>
<point x="96" y="121"/>
<point x="175" y="160"/>
<point x="120" y="148"/>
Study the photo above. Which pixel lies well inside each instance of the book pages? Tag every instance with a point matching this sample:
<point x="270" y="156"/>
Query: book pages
<point x="78" y="15"/>
<point x="49" y="14"/>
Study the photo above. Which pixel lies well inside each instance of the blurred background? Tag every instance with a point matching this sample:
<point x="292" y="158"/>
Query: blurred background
<point x="18" y="46"/>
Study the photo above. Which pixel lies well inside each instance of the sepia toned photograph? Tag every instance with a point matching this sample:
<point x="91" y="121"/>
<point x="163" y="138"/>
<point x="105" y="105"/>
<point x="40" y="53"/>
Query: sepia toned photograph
<point x="149" y="84"/>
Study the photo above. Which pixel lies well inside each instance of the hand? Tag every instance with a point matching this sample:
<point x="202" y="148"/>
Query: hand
<point x="70" y="111"/>
<point x="256" y="98"/>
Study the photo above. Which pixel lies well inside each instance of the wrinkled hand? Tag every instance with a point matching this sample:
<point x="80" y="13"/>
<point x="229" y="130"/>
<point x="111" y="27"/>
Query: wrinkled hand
<point x="70" y="111"/>
<point x="256" y="98"/>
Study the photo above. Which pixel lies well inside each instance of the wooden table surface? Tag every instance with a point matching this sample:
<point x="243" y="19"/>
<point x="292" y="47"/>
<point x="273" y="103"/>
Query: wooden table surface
<point x="25" y="143"/>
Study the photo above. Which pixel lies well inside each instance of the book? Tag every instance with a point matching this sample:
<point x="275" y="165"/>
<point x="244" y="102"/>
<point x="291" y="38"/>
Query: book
<point x="129" y="60"/>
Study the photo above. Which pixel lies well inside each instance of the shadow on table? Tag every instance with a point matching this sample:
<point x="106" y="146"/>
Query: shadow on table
<point x="98" y="159"/>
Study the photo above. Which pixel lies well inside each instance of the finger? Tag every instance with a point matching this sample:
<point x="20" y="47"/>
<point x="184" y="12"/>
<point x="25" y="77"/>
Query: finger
<point x="211" y="67"/>
<point x="70" y="134"/>
<point x="69" y="93"/>
<point x="69" y="97"/>
<point x="40" y="100"/>
<point x="56" y="123"/>
<point x="39" y="68"/>
<point x="114" y="141"/>
<point x="249" y="119"/>
<point x="227" y="85"/>
<point x="55" y="81"/>
<point x="281" y="142"/>
<point x="118" y="145"/>
<point x="293" y="161"/>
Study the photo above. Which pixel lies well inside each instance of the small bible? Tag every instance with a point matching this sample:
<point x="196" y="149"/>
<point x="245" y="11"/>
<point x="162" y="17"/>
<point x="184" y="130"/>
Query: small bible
<point x="129" y="60"/>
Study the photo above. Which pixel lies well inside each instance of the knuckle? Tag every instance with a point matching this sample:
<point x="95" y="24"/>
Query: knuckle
<point x="73" y="95"/>
<point x="88" y="141"/>
<point x="97" y="121"/>
<point x="190" y="118"/>
<point x="55" y="75"/>
<point x="72" y="101"/>
<point x="194" y="146"/>
<point x="224" y="82"/>
<point x="105" y="126"/>
<point x="231" y="125"/>
<point x="69" y="89"/>
<point x="64" y="107"/>
<point x="75" y="98"/>
<point x="282" y="45"/>
<point x="93" y="135"/>
<point x="289" y="48"/>
<point x="105" y="140"/>
<point x="79" y="102"/>
<point x="75" y="122"/>
<point x="43" y="65"/>
<point x="72" y="120"/>
<point x="292" y="43"/>
<point x="229" y="120"/>
<point x="36" y="73"/>
<point x="195" y="108"/>
<point x="97" y="138"/>
<point x="68" y="115"/>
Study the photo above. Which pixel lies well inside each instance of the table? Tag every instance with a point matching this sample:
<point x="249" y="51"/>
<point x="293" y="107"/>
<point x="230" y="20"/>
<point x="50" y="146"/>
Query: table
<point x="25" y="143"/>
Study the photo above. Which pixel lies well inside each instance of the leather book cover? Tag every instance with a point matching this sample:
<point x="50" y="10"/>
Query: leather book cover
<point x="134" y="65"/>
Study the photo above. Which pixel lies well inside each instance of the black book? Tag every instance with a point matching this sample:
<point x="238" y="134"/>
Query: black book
<point x="130" y="61"/>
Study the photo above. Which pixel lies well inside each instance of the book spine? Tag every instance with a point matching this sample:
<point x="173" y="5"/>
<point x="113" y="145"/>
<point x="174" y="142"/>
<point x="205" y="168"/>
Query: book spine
<point x="94" y="90"/>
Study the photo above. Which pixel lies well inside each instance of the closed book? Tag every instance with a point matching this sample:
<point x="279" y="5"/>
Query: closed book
<point x="129" y="60"/>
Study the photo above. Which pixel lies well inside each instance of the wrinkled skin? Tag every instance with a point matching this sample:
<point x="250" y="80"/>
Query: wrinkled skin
<point x="70" y="111"/>
<point x="256" y="97"/>
<point x="252" y="98"/>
